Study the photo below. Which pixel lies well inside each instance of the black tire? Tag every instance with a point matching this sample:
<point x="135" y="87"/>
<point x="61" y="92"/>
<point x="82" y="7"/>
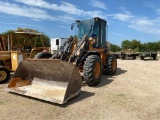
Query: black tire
<point x="4" y="75"/>
<point x="43" y="55"/>
<point x="134" y="57"/>
<point x="142" y="58"/>
<point x="111" y="65"/>
<point x="154" y="57"/>
<point x="123" y="57"/>
<point x="92" y="70"/>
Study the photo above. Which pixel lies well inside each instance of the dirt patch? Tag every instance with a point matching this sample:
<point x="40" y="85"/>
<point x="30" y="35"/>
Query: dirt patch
<point x="133" y="93"/>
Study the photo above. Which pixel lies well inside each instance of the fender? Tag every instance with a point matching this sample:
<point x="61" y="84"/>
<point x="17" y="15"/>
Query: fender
<point x="88" y="54"/>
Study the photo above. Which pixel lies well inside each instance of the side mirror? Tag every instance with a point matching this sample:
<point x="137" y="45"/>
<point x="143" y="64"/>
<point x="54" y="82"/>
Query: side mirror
<point x="72" y="26"/>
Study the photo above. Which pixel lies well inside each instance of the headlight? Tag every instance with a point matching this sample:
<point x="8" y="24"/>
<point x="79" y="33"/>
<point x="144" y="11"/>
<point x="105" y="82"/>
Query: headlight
<point x="93" y="40"/>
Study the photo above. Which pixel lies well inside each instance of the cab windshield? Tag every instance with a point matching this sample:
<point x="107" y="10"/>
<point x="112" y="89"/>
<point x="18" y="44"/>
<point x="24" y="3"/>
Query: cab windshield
<point x="85" y="27"/>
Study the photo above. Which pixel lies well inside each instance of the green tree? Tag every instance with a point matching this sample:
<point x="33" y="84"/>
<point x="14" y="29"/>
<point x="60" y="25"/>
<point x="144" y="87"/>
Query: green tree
<point x="115" y="48"/>
<point x="126" y="44"/>
<point x="135" y="44"/>
<point x="158" y="45"/>
<point x="153" y="46"/>
<point x="143" y="47"/>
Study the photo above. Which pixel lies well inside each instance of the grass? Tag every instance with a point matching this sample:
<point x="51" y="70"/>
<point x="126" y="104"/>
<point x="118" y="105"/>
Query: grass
<point x="2" y="102"/>
<point x="118" y="98"/>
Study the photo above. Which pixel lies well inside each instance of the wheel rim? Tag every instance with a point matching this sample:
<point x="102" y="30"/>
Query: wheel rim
<point x="3" y="75"/>
<point x="97" y="70"/>
<point x="114" y="64"/>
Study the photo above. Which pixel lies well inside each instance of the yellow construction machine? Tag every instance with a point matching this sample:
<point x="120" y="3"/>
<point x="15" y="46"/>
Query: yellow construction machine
<point x="17" y="46"/>
<point x="59" y="78"/>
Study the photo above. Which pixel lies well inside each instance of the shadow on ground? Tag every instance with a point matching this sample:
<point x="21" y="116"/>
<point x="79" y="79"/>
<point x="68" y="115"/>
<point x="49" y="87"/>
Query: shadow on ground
<point x="128" y="58"/>
<point x="105" y="80"/>
<point x="120" y="71"/>
<point x="82" y="95"/>
<point x="148" y="59"/>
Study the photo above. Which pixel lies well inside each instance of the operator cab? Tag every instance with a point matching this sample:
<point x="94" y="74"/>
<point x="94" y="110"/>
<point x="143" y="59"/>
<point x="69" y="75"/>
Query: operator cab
<point x="95" y="29"/>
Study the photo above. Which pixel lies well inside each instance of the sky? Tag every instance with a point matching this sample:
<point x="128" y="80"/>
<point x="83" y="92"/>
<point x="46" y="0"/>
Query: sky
<point x="126" y="19"/>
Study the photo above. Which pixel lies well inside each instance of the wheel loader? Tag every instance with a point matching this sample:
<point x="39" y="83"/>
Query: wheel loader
<point x="59" y="78"/>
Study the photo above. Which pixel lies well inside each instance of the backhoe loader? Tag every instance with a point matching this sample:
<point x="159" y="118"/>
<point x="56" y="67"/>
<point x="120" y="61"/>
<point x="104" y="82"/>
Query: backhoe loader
<point x="16" y="46"/>
<point x="59" y="78"/>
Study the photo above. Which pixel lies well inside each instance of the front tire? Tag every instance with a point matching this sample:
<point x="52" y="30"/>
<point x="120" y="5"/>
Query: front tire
<point x="4" y="75"/>
<point x="92" y="70"/>
<point x="43" y="55"/>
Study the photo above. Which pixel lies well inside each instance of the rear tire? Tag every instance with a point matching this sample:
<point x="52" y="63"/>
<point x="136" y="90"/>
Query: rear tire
<point x="123" y="57"/>
<point x="154" y="57"/>
<point x="142" y="58"/>
<point x="92" y="70"/>
<point x="134" y="57"/>
<point x="43" y="55"/>
<point x="4" y="75"/>
<point x="111" y="65"/>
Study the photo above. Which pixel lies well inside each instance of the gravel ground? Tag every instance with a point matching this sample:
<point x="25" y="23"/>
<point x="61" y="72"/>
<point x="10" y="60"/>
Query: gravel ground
<point x="132" y="94"/>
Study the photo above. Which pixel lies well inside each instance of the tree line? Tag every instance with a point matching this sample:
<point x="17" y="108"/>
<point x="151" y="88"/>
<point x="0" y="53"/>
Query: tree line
<point x="136" y="46"/>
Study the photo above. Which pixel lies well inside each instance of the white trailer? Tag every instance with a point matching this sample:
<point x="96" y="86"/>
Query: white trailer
<point x="56" y="43"/>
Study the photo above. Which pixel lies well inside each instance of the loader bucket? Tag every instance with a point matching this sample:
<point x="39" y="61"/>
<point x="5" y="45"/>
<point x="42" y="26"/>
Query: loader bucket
<point x="50" y="80"/>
